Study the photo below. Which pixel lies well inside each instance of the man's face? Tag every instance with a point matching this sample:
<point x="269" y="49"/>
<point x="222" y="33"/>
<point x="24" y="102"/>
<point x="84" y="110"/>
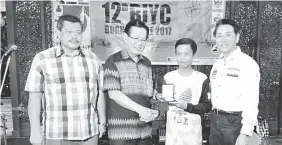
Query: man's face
<point x="226" y="39"/>
<point x="184" y="55"/>
<point x="71" y="35"/>
<point x="135" y="40"/>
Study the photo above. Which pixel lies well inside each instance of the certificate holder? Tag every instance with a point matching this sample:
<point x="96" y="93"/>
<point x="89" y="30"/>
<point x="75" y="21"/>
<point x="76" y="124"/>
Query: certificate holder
<point x="168" y="92"/>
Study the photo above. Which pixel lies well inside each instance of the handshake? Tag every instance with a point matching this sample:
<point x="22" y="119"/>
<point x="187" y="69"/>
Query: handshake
<point x="147" y="114"/>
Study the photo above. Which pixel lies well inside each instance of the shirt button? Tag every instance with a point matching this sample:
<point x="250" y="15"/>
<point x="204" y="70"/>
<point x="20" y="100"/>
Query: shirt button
<point x="218" y="85"/>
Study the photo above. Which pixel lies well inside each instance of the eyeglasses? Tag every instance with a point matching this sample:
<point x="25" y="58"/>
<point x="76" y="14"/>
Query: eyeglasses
<point x="68" y="32"/>
<point x="136" y="39"/>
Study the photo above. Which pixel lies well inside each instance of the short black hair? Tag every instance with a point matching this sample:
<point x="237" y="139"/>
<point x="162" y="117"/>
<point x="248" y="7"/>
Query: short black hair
<point x="69" y="18"/>
<point x="136" y="23"/>
<point x="227" y="22"/>
<point x="187" y="41"/>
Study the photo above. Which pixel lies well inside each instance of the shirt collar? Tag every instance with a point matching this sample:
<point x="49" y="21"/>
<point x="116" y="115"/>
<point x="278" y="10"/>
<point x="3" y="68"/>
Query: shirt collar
<point x="232" y="55"/>
<point x="60" y="51"/>
<point x="125" y="55"/>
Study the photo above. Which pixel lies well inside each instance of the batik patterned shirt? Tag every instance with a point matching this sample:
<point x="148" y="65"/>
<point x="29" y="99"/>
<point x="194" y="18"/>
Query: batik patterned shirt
<point x="134" y="79"/>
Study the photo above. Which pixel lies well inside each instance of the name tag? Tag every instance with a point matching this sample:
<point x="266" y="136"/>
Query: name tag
<point x="233" y="72"/>
<point x="232" y="75"/>
<point x="233" y="69"/>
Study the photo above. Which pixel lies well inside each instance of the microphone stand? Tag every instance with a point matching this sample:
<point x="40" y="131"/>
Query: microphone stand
<point x="4" y="120"/>
<point x="1" y="62"/>
<point x="6" y="69"/>
<point x="3" y="117"/>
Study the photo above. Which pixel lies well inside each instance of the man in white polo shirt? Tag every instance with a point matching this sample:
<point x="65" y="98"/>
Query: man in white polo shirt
<point x="234" y="89"/>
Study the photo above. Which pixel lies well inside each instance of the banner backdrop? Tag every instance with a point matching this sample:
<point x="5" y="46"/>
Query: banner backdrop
<point x="168" y="21"/>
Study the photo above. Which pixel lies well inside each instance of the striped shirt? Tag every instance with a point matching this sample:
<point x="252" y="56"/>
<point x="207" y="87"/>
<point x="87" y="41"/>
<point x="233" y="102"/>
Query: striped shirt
<point x="70" y="85"/>
<point x="135" y="81"/>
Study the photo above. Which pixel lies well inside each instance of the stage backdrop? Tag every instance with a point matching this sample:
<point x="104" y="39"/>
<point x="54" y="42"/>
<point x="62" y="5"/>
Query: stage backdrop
<point x="104" y="22"/>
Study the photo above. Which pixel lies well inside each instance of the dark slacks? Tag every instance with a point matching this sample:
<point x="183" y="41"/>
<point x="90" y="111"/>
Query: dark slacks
<point x="146" y="141"/>
<point x="225" y="129"/>
<point x="91" y="141"/>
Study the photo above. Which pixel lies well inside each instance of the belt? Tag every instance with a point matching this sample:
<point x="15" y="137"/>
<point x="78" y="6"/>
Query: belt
<point x="221" y="112"/>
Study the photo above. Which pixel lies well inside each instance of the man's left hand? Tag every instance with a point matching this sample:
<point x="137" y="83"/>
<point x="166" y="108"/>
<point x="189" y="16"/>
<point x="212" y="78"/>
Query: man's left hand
<point x="102" y="130"/>
<point x="242" y="139"/>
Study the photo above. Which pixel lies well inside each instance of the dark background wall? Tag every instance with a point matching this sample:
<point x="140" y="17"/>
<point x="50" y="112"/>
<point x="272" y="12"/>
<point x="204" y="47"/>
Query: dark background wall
<point x="30" y="28"/>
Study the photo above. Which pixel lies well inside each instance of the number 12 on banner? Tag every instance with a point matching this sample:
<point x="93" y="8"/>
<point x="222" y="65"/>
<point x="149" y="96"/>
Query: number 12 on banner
<point x="136" y="13"/>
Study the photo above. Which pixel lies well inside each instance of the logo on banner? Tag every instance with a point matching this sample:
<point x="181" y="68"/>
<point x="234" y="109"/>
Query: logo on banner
<point x="218" y="4"/>
<point x="192" y="8"/>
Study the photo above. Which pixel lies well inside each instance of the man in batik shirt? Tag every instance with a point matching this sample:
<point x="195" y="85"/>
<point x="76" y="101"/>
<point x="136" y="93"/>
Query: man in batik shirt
<point x="128" y="82"/>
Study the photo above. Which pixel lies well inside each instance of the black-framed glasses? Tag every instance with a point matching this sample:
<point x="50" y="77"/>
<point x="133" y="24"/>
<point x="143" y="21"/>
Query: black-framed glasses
<point x="72" y="32"/>
<point x="136" y="39"/>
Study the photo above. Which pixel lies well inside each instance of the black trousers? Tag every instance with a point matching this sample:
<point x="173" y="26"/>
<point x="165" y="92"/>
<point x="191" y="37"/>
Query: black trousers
<point x="225" y="129"/>
<point x="91" y="141"/>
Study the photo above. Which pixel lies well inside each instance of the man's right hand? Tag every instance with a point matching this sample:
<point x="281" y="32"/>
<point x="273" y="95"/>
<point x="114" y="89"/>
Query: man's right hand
<point x="159" y="97"/>
<point x="36" y="138"/>
<point x="146" y="114"/>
